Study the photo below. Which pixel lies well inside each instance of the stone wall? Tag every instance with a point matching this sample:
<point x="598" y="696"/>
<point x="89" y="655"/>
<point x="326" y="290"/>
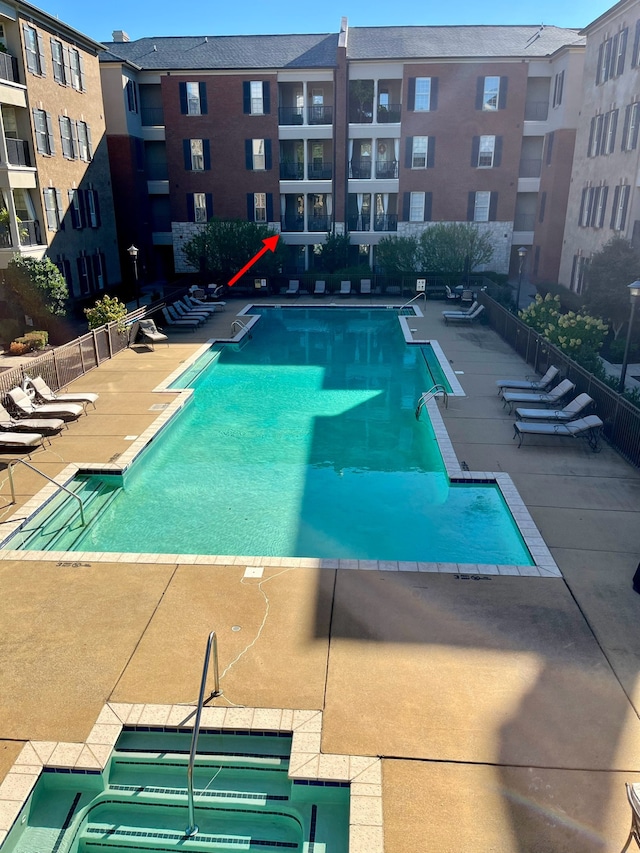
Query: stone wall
<point x="500" y="233"/>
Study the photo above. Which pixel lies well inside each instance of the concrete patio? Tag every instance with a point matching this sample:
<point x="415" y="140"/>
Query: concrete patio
<point x="505" y="709"/>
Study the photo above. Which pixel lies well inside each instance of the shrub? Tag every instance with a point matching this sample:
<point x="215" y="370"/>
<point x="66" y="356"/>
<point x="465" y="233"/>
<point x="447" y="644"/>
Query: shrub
<point x="107" y="310"/>
<point x="17" y="348"/>
<point x="569" y="300"/>
<point x="38" y="286"/>
<point x="29" y="342"/>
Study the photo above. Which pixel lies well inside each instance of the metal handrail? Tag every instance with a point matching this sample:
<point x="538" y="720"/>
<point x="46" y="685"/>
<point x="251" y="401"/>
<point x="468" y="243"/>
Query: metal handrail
<point x="238" y="324"/>
<point x="212" y="646"/>
<point x="429" y="395"/>
<point x="14" y="462"/>
<point x="413" y="299"/>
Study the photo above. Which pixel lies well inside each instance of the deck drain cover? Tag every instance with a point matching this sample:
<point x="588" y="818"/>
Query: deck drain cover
<point x="158" y="407"/>
<point x="236" y="628"/>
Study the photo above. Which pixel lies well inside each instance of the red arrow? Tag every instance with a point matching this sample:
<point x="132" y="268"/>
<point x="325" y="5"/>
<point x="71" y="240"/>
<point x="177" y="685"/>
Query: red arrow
<point x="269" y="246"/>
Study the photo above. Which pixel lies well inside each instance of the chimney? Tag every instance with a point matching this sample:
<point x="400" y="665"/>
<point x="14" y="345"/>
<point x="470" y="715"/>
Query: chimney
<point x="120" y="35"/>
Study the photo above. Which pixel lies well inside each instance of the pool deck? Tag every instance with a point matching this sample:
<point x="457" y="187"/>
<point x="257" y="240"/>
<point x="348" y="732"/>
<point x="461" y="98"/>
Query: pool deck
<point x="505" y="708"/>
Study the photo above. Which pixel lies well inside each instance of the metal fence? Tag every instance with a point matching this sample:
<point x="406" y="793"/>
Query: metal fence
<point x="620" y="417"/>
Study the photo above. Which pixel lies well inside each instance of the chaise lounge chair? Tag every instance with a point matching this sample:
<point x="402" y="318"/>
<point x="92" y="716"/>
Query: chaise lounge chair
<point x="345" y="288"/>
<point x="529" y="384"/>
<point x="192" y="308"/>
<point x="211" y="307"/>
<point x="569" y="413"/>
<point x="588" y="427"/>
<point x="46" y="426"/>
<point x="26" y="408"/>
<point x="294" y="288"/>
<point x="149" y="333"/>
<point x="179" y="309"/>
<point x="548" y="398"/>
<point x="320" y="288"/>
<point x="44" y="394"/>
<point x="633" y="795"/>
<point x="179" y="324"/>
<point x="463" y="316"/>
<point x="21" y="440"/>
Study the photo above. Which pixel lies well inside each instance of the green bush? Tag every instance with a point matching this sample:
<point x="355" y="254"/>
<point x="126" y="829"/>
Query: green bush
<point x="569" y="301"/>
<point x="107" y="310"/>
<point x="29" y="342"/>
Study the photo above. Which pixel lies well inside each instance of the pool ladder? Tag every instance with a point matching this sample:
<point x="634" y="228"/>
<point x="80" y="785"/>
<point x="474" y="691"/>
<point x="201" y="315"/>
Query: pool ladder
<point x="15" y="462"/>
<point x="212" y="650"/>
<point x="414" y="298"/>
<point x="239" y="326"/>
<point x="430" y="395"/>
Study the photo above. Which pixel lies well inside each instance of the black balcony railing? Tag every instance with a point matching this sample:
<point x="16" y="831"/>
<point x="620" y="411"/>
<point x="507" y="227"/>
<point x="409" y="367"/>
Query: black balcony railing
<point x="5" y="237"/>
<point x="359" y="223"/>
<point x="386" y="168"/>
<point x="389" y="114"/>
<point x="320" y="115"/>
<point x="524" y="222"/>
<point x="530" y="168"/>
<point x="360" y="169"/>
<point x="292" y="223"/>
<point x="152" y="116"/>
<point x="318" y="223"/>
<point x="290" y="115"/>
<point x="385" y="222"/>
<point x="18" y="151"/>
<point x="291" y="171"/>
<point x="29" y="231"/>
<point x="8" y="68"/>
<point x="361" y="114"/>
<point x="536" y="110"/>
<point x="157" y="171"/>
<point x="320" y="171"/>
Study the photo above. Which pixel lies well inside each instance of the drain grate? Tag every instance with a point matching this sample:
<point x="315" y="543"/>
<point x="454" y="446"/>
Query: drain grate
<point x="158" y="407"/>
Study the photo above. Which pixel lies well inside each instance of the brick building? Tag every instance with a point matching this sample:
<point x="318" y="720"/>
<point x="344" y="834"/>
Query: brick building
<point x="370" y="131"/>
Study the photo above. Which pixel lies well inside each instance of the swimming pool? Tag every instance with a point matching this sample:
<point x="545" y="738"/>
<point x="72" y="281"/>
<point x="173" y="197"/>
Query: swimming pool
<point x="302" y="443"/>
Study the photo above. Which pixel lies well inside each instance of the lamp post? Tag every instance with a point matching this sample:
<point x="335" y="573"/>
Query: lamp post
<point x="522" y="254"/>
<point x="634" y="293"/>
<point x="133" y="253"/>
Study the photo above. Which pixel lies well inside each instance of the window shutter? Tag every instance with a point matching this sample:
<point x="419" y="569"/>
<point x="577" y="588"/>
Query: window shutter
<point x="250" y="208"/>
<point x="616" y="199"/>
<point x="583" y="201"/>
<point x="72" y="208"/>
<point x="89" y="143"/>
<point x="635" y="56"/>
<point x="605" y="192"/>
<point x="502" y="95"/>
<point x="613" y="127"/>
<point x="592" y="130"/>
<point x="208" y="200"/>
<point x="25" y="36"/>
<point x="183" y="98"/>
<point x="202" y="88"/>
<point x="186" y="153"/>
<point x="408" y="154"/>
<point x="497" y="152"/>
<point x="248" y="153"/>
<point x="406" y="206"/>
<point x="67" y="65"/>
<point x="39" y="140"/>
<point x="74" y="140"/>
<point x="634" y="139"/>
<point x="269" y="207"/>
<point x="625" y="204"/>
<point x="428" y="203"/>
<point x="60" y="209"/>
<point x="550" y="139"/>
<point x="433" y="105"/>
<point x="83" y="88"/>
<point x="493" y="207"/>
<point x="191" y="208"/>
<point x="475" y="151"/>
<point x="41" y="59"/>
<point x="246" y="97"/>
<point x="431" y="151"/>
<point x="56" y="69"/>
<point x="206" y="150"/>
<point x="599" y="68"/>
<point x="412" y="94"/>
<point x="52" y="147"/>
<point x="479" y="92"/>
<point x="543" y="204"/>
<point x="49" y="210"/>
<point x="266" y="97"/>
<point x="471" y="206"/>
<point x="267" y="154"/>
<point x="61" y="124"/>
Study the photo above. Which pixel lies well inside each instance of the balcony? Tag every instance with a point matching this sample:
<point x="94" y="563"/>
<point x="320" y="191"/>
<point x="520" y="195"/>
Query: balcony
<point x="18" y="150"/>
<point x="524" y="222"/>
<point x="290" y="115"/>
<point x="359" y="223"/>
<point x="9" y="68"/>
<point x="530" y="168"/>
<point x="320" y="171"/>
<point x="29" y="231"/>
<point x="319" y="223"/>
<point x="292" y="223"/>
<point x="291" y="171"/>
<point x="360" y="169"/>
<point x="536" y="110"/>
<point x="389" y="114"/>
<point x="152" y="116"/>
<point x="385" y="222"/>
<point x="319" y="115"/>
<point x="386" y="168"/>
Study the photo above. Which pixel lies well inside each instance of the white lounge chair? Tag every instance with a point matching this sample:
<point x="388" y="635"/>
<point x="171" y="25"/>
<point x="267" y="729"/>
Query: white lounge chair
<point x="294" y="288"/>
<point x="451" y="295"/>
<point x="26" y="408"/>
<point x="345" y="288"/>
<point x="463" y="316"/>
<point x="181" y="323"/>
<point x="365" y="287"/>
<point x="43" y="425"/>
<point x="569" y="413"/>
<point x="320" y="288"/>
<point x="181" y="310"/>
<point x="150" y="334"/>
<point x="633" y="795"/>
<point x="210" y="307"/>
<point x="22" y="440"/>
<point x="44" y="394"/>
<point x="548" y="398"/>
<point x="191" y="306"/>
<point x="588" y="427"/>
<point x="529" y="384"/>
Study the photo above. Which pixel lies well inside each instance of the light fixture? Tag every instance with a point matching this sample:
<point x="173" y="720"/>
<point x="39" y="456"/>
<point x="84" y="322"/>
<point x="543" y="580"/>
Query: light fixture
<point x="634" y="293"/>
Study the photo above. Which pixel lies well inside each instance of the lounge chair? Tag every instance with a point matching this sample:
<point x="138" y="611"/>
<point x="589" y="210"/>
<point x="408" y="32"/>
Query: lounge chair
<point x="193" y="308"/>
<point x="463" y="316"/>
<point x="365" y="287"/>
<point x="451" y="294"/>
<point x="529" y="384"/>
<point x="588" y="427"/>
<point x="181" y="310"/>
<point x="294" y="288"/>
<point x="569" y="413"/>
<point x="181" y="323"/>
<point x="149" y="333"/>
<point x="345" y="288"/>
<point x="210" y="307"/>
<point x="44" y="394"/>
<point x="320" y="288"/>
<point x="21" y="440"/>
<point x="26" y="408"/>
<point x="46" y="426"/>
<point x="633" y="795"/>
<point x="548" y="398"/>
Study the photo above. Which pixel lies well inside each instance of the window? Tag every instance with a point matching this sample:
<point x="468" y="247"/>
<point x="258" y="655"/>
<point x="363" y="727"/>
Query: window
<point x="76" y="65"/>
<point x="630" y="130"/>
<point x="609" y="132"/>
<point x="416" y="207"/>
<point x="57" y="60"/>
<point x="257" y="154"/>
<point x="491" y="92"/>
<point x="257" y="107"/>
<point x="34" y="50"/>
<point x="53" y="209"/>
<point x="599" y="206"/>
<point x="611" y="56"/>
<point x="578" y="273"/>
<point x="69" y="137"/>
<point x="85" y="150"/>
<point x="635" y="56"/>
<point x="260" y="207"/>
<point x="44" y="132"/>
<point x="618" y="52"/>
<point x="132" y="96"/>
<point x="486" y="151"/>
<point x="586" y="207"/>
<point x="197" y="155"/>
<point x="193" y="99"/>
<point x="422" y="100"/>
<point x="199" y="207"/>
<point x="84" y="273"/>
<point x="256" y="98"/>
<point x="619" y="208"/>
<point x="77" y="209"/>
<point x="558" y="86"/>
<point x="93" y="210"/>
<point x="481" y="206"/>
<point x="64" y="265"/>
<point x="419" y="152"/>
<point x="99" y="270"/>
<point x="595" y="135"/>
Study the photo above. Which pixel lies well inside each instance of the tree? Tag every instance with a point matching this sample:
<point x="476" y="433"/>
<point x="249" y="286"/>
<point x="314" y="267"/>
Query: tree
<point x="224" y="246"/>
<point x="39" y="288"/>
<point x="455" y="247"/>
<point x="397" y="255"/>
<point x="334" y="253"/>
<point x="611" y="269"/>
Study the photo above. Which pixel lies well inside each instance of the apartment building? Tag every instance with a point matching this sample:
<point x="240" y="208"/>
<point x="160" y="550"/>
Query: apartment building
<point x="54" y="167"/>
<point x="368" y="131"/>
<point x="604" y="200"/>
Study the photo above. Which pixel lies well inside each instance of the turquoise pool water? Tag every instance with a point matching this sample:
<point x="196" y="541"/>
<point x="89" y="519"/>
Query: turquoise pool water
<point x="302" y="442"/>
<point x="244" y="800"/>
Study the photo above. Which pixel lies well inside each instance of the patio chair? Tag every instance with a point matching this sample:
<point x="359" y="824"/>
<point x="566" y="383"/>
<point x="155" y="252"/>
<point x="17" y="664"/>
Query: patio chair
<point x="44" y="394"/>
<point x="198" y="307"/>
<point x="181" y="310"/>
<point x="365" y="287"/>
<point x="345" y="288"/>
<point x="588" y="428"/>
<point x="450" y="294"/>
<point x="26" y="408"/>
<point x="463" y="316"/>
<point x="529" y="384"/>
<point x="320" y="288"/>
<point x="150" y="334"/>
<point x="548" y="398"/>
<point x="633" y="795"/>
<point x="22" y="440"/>
<point x="569" y="413"/>
<point x="182" y="323"/>
<point x="467" y="297"/>
<point x="294" y="288"/>
<point x="47" y="426"/>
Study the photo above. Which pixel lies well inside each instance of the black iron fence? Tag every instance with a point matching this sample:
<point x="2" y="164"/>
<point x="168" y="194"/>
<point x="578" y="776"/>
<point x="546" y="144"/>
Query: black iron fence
<point x="620" y="417"/>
